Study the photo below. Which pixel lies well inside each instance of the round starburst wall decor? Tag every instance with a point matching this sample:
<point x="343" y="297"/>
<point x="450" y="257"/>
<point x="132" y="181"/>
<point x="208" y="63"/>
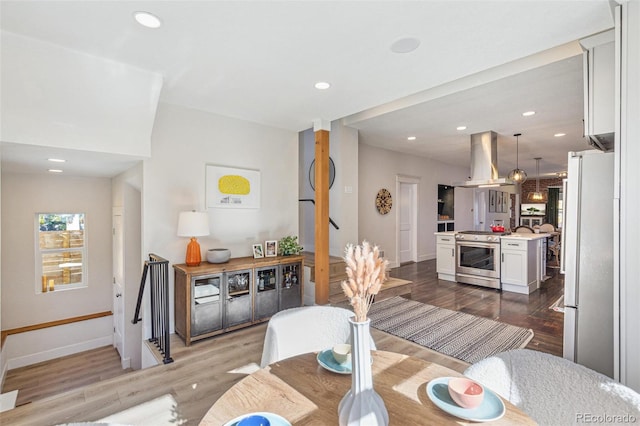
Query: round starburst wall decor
<point x="383" y="201"/>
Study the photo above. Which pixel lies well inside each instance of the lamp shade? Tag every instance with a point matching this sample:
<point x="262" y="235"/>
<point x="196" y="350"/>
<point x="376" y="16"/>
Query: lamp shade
<point x="537" y="196"/>
<point x="193" y="224"/>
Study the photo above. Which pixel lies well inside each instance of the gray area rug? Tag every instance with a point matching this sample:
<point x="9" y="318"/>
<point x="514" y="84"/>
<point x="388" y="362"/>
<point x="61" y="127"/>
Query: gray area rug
<point x="459" y="335"/>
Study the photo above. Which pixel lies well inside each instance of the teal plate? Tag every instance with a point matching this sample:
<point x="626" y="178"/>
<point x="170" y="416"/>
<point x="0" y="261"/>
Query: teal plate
<point x="492" y="407"/>
<point x="274" y="419"/>
<point x="326" y="360"/>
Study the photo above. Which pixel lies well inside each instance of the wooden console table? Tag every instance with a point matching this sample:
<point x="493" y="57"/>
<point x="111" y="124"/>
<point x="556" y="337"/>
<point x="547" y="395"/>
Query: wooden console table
<point x="215" y="298"/>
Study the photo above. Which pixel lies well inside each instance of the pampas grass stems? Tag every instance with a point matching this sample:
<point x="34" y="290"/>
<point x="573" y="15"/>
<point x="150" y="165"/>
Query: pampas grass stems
<point x="366" y="271"/>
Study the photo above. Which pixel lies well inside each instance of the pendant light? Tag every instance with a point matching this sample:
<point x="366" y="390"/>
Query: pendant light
<point x="537" y="196"/>
<point x="517" y="175"/>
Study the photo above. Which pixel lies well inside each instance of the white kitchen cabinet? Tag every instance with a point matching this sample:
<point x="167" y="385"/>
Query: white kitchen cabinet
<point x="446" y="257"/>
<point x="599" y="88"/>
<point x="531" y="221"/>
<point x="518" y="265"/>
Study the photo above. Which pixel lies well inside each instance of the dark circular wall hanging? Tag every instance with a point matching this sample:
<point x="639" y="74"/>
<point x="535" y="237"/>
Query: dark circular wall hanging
<point x="312" y="173"/>
<point x="383" y="201"/>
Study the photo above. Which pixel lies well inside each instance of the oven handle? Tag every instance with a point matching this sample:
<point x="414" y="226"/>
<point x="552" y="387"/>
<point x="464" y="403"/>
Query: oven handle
<point x="478" y="244"/>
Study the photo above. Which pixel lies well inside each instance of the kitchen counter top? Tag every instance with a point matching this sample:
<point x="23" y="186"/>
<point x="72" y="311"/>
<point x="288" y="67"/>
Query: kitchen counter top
<point x="524" y="236"/>
<point x="527" y="237"/>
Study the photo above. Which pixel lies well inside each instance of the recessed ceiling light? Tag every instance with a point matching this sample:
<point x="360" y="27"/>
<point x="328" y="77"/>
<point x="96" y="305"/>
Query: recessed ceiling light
<point x="411" y="138"/>
<point x="56" y="160"/>
<point x="322" y="85"/>
<point x="55" y="170"/>
<point x="528" y="113"/>
<point x="559" y="135"/>
<point x="405" y="45"/>
<point x="147" y="19"/>
<point x="461" y="128"/>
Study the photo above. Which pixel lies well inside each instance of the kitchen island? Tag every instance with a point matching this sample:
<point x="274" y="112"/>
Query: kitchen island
<point x="510" y="262"/>
<point x="522" y="262"/>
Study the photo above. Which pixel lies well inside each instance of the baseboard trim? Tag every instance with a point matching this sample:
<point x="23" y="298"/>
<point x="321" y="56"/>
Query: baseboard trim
<point x="59" y="352"/>
<point x="428" y="256"/>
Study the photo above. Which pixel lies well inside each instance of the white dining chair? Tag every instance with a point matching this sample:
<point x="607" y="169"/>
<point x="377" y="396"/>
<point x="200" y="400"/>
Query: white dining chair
<point x="551" y="389"/>
<point x="547" y="228"/>
<point x="307" y="329"/>
<point x="523" y="230"/>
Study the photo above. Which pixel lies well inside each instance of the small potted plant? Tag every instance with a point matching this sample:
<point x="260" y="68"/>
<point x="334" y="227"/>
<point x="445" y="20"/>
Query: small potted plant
<point x="289" y="246"/>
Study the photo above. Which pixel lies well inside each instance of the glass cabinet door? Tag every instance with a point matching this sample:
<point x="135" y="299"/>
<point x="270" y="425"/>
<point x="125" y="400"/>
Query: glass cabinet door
<point x="266" y="292"/>
<point x="289" y="285"/>
<point x="206" y="304"/>
<point x="238" y="297"/>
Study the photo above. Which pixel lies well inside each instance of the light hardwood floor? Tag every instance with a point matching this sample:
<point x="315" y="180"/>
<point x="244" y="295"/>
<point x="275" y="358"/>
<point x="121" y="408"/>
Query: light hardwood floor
<point x="202" y="372"/>
<point x="49" y="378"/>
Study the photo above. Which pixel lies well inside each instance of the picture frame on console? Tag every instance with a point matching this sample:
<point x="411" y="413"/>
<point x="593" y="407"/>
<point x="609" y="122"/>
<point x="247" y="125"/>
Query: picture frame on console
<point x="271" y="248"/>
<point x="257" y="251"/>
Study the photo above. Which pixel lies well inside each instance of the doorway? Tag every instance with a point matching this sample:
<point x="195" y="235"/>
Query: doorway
<point x="406" y="226"/>
<point x="118" y="282"/>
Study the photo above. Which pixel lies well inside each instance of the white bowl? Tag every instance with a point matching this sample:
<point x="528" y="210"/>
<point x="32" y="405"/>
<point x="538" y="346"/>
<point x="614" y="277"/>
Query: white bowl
<point x="218" y="255"/>
<point x="342" y="353"/>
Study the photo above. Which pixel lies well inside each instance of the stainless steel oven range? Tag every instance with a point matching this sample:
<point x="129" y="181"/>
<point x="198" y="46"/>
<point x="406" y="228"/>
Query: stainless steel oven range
<point x="478" y="258"/>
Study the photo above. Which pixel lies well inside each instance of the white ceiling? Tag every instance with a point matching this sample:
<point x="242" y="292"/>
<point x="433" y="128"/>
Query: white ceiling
<point x="259" y="60"/>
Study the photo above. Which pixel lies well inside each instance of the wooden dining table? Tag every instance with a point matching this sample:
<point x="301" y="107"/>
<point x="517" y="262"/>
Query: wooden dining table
<point x="304" y="393"/>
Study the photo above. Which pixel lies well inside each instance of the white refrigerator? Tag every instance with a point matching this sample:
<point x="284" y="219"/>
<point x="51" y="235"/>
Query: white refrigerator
<point x="587" y="260"/>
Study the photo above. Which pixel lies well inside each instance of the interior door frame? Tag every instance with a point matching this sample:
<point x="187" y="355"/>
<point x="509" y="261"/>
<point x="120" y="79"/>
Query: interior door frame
<point x="118" y="287"/>
<point x="413" y="181"/>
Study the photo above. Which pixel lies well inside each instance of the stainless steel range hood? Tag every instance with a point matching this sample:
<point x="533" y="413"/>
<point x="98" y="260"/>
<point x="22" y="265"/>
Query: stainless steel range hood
<point x="484" y="162"/>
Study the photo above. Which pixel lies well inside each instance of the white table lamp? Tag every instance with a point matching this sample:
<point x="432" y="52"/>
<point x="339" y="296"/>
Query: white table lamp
<point x="193" y="224"/>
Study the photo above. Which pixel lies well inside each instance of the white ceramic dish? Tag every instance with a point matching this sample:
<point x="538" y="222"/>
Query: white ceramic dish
<point x="492" y="407"/>
<point x="327" y="361"/>
<point x="274" y="419"/>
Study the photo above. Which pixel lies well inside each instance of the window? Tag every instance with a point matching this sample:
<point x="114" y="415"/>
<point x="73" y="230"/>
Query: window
<point x="61" y="251"/>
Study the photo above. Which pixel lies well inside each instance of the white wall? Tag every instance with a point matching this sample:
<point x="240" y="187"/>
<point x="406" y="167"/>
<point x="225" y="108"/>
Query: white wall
<point x="343" y="205"/>
<point x="3" y="364"/>
<point x="184" y="141"/>
<point x="53" y="96"/>
<point x="306" y="209"/>
<point x="490" y="217"/>
<point x="24" y="195"/>
<point x="378" y="169"/>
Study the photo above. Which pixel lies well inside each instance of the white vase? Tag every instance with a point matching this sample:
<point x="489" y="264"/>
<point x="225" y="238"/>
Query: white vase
<point x="361" y="405"/>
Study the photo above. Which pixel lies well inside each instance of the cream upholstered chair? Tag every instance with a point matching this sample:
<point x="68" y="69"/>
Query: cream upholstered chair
<point x="547" y="228"/>
<point x="523" y="230"/>
<point x="551" y="389"/>
<point x="307" y="329"/>
<point x="553" y="244"/>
